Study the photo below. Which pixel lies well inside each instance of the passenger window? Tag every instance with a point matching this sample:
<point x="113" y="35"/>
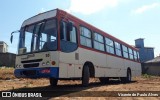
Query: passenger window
<point x="118" y="49"/>
<point x="135" y="55"/>
<point x="73" y="37"/>
<point x="109" y="46"/>
<point x="98" y="42"/>
<point x="125" y="51"/>
<point x="85" y="37"/>
<point x="138" y="56"/>
<point x="131" y="54"/>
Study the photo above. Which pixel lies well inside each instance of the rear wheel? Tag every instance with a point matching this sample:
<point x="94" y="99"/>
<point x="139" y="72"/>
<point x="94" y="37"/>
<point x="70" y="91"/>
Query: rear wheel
<point x="104" y="80"/>
<point x="128" y="78"/>
<point x="85" y="76"/>
<point x="53" y="82"/>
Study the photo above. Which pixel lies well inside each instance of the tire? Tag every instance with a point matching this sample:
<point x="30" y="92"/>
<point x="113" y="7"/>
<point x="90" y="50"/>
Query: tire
<point x="104" y="80"/>
<point x="53" y="82"/>
<point x="128" y="78"/>
<point x="85" y="76"/>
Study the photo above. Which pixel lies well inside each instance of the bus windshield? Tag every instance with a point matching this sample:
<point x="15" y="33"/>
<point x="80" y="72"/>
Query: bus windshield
<point x="38" y="37"/>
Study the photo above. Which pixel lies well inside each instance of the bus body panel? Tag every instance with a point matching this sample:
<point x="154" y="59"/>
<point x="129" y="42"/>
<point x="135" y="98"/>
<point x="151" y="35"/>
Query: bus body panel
<point x="97" y="59"/>
<point x="69" y="65"/>
<point x="37" y="64"/>
<point x="113" y="66"/>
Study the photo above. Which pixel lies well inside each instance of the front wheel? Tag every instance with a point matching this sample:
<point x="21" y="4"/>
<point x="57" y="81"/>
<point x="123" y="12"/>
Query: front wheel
<point x="85" y="76"/>
<point x="53" y="82"/>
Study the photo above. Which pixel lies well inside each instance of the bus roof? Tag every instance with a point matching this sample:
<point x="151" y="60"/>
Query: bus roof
<point x="40" y="17"/>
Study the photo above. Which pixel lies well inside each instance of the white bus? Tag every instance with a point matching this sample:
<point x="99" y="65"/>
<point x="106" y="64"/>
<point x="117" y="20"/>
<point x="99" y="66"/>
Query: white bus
<point x="57" y="45"/>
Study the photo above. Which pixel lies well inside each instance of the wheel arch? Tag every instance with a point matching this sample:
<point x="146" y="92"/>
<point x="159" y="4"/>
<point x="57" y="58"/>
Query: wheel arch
<point x="91" y="68"/>
<point x="129" y="69"/>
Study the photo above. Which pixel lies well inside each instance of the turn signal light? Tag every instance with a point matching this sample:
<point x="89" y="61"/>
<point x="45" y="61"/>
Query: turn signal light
<point x="53" y="63"/>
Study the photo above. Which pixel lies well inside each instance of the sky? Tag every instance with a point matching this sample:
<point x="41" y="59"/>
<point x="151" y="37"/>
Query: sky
<point x="127" y="20"/>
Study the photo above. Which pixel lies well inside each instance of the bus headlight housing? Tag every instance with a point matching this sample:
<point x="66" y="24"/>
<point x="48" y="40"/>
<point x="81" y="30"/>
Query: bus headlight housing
<point x="43" y="64"/>
<point x="18" y="66"/>
<point x="47" y="63"/>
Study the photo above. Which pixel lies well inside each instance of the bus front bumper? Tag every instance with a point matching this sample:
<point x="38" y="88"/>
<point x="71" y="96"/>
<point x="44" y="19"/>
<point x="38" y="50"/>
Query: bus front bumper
<point x="37" y="72"/>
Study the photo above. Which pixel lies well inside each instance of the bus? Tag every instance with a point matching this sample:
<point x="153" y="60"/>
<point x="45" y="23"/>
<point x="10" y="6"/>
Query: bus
<point x="59" y="46"/>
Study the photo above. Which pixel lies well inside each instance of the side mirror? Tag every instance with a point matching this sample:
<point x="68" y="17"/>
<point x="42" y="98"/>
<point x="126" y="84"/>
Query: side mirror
<point x="11" y="39"/>
<point x="70" y="26"/>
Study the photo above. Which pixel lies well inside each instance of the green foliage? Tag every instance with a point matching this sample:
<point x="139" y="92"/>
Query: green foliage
<point x="146" y="76"/>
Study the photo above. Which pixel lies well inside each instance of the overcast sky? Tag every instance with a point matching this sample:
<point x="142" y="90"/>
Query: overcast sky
<point x="124" y="19"/>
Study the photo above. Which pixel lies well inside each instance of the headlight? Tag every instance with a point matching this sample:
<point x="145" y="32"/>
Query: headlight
<point x="47" y="63"/>
<point x="16" y="66"/>
<point x="43" y="64"/>
<point x="20" y="66"/>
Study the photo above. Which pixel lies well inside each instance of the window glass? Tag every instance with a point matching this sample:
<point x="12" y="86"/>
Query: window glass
<point x="117" y="45"/>
<point x="68" y="41"/>
<point x="28" y="37"/>
<point x="85" y="32"/>
<point x="109" y="46"/>
<point x="37" y="37"/>
<point x="125" y="51"/>
<point x="73" y="37"/>
<point x="50" y="36"/>
<point x="138" y="56"/>
<point x="130" y="53"/>
<point x="98" y="46"/>
<point x="43" y="39"/>
<point x="118" y="49"/>
<point x="63" y="31"/>
<point x="135" y="55"/>
<point x="98" y="42"/>
<point x="85" y="38"/>
<point x="98" y="37"/>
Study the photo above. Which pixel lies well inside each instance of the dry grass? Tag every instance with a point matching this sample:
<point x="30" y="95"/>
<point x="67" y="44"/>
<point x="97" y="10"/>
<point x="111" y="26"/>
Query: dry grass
<point x="6" y="73"/>
<point x="143" y="83"/>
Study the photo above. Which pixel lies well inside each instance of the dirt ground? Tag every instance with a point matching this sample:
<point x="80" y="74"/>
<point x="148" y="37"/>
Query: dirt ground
<point x="94" y="91"/>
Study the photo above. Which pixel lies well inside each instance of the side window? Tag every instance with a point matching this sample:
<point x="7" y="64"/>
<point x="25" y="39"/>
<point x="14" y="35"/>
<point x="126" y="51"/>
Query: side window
<point x="130" y="54"/>
<point x="125" y="51"/>
<point x="63" y="31"/>
<point x="109" y="46"/>
<point x="135" y="55"/>
<point x="98" y="42"/>
<point x="138" y="56"/>
<point x="66" y="35"/>
<point x="85" y="37"/>
<point x="68" y="38"/>
<point x="73" y="37"/>
<point x="118" y="49"/>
